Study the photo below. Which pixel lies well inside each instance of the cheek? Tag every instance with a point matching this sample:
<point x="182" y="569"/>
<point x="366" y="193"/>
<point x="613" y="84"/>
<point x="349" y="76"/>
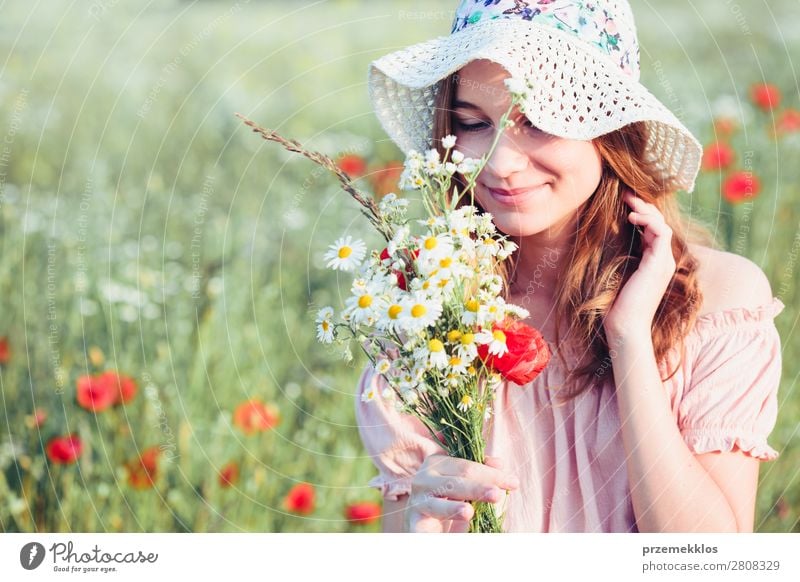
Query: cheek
<point x="471" y="144"/>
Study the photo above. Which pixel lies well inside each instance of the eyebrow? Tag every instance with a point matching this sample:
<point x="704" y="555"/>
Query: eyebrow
<point x="464" y="104"/>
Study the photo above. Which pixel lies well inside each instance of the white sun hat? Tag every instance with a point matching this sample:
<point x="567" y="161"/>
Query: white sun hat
<point x="580" y="59"/>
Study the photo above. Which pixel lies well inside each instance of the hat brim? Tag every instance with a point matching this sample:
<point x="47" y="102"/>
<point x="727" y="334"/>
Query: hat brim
<point x="576" y="92"/>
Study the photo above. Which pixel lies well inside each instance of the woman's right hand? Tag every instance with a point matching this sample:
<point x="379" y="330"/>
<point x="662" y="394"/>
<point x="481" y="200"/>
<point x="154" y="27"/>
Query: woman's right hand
<point x="443" y="487"/>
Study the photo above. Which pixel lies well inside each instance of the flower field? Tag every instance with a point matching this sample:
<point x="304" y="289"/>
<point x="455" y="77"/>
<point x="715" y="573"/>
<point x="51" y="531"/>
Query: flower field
<point x="162" y="269"/>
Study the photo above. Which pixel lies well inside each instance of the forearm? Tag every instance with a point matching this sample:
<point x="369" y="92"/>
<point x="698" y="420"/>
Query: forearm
<point x="670" y="490"/>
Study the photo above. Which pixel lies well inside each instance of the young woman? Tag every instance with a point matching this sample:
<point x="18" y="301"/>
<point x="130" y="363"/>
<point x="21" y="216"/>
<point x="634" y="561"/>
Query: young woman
<point x="655" y="411"/>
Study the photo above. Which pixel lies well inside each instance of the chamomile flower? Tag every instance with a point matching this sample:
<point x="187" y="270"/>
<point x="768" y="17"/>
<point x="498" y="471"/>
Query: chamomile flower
<point x="345" y="254"/>
<point x="456" y="157"/>
<point x="369" y="394"/>
<point x="467" y="348"/>
<point x="496" y="341"/>
<point x="469" y="316"/>
<point x="436" y="354"/>
<point x="433" y="247"/>
<point x="465" y="403"/>
<point x="508" y="247"/>
<point x="516" y="311"/>
<point x="383" y="366"/>
<point x="391" y="306"/>
<point x="362" y="307"/>
<point x="324" y="325"/>
<point x="517" y="87"/>
<point x="418" y="312"/>
<point x="448" y="141"/>
<point x="457" y="365"/>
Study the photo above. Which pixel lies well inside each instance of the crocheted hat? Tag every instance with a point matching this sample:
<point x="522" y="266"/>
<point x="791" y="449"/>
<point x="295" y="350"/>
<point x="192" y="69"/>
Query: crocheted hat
<point x="581" y="59"/>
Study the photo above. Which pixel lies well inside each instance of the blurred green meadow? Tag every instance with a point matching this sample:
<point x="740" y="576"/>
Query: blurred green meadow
<point x="145" y="230"/>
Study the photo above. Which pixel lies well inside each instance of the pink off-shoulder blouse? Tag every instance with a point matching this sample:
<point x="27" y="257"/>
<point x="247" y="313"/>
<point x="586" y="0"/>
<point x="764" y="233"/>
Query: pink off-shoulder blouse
<point x="570" y="458"/>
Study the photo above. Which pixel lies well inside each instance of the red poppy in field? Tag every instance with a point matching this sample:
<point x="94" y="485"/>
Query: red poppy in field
<point x="740" y="186"/>
<point x="724" y="126"/>
<point x="717" y="156"/>
<point x="229" y="474"/>
<point x="255" y="416"/>
<point x="527" y="355"/>
<point x="386" y="178"/>
<point x="363" y="513"/>
<point x="765" y="95"/>
<point x="300" y="499"/>
<point x="124" y="387"/>
<point x="95" y="394"/>
<point x="5" y="350"/>
<point x="789" y="121"/>
<point x="63" y="450"/>
<point x="354" y="165"/>
<point x="143" y="470"/>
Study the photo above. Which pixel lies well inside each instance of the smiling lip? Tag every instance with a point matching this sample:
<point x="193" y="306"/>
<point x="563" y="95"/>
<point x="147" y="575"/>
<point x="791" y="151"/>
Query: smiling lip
<point x="513" y="197"/>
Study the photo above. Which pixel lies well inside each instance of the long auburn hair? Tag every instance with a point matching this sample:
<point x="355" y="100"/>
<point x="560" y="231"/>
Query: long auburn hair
<point x="606" y="251"/>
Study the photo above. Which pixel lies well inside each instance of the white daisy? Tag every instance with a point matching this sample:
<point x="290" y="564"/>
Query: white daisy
<point x="437" y="356"/>
<point x="467" y="348"/>
<point x="419" y="312"/>
<point x="369" y="394"/>
<point x="326" y="313"/>
<point x="345" y="254"/>
<point x="457" y="365"/>
<point x="362" y="307"/>
<point x="496" y="341"/>
<point x="469" y="316"/>
<point x="325" y="331"/>
<point x="382" y="366"/>
<point x="466" y="403"/>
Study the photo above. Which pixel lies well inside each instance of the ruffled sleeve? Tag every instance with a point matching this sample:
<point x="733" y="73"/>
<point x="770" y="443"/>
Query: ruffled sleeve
<point x="732" y="397"/>
<point x="398" y="443"/>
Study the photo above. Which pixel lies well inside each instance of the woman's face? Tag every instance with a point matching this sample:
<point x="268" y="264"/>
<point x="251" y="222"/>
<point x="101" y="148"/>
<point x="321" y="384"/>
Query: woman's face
<point x="534" y="182"/>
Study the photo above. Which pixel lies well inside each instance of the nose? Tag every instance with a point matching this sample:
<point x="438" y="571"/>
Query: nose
<point x="508" y="156"/>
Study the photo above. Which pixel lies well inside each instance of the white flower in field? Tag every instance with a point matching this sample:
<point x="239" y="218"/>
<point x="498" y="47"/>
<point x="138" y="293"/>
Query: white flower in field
<point x="369" y="394"/>
<point x="496" y="341"/>
<point x="433" y="247"/>
<point x="448" y="141"/>
<point x="419" y="312"/>
<point x="437" y="356"/>
<point x="468" y="166"/>
<point x="508" y="248"/>
<point x="362" y="307"/>
<point x="325" y="331"/>
<point x="456" y="157"/>
<point x="457" y="365"/>
<point x="467" y="348"/>
<point x="466" y="403"/>
<point x="345" y="254"/>
<point x="383" y="366"/>
<point x="517" y="87"/>
<point x="517" y="311"/>
<point x="469" y="316"/>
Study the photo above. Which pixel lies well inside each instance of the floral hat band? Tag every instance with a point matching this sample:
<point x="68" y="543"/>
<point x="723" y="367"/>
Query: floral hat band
<point x="606" y="26"/>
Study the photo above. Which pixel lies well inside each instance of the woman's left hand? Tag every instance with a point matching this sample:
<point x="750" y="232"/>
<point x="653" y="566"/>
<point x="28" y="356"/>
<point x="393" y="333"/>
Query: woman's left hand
<point x="636" y="303"/>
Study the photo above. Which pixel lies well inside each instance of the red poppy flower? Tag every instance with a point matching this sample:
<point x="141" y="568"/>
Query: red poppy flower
<point x="363" y="513"/>
<point x="527" y="355"/>
<point x="386" y="178"/>
<point x="724" y="126"/>
<point x="717" y="156"/>
<point x="766" y="96"/>
<point x="143" y="470"/>
<point x="5" y="350"/>
<point x="789" y="121"/>
<point x="401" y="279"/>
<point x="300" y="499"/>
<point x="229" y="474"/>
<point x="255" y="416"/>
<point x="353" y="165"/>
<point x="124" y="387"/>
<point x="63" y="450"/>
<point x="95" y="394"/>
<point x="740" y="186"/>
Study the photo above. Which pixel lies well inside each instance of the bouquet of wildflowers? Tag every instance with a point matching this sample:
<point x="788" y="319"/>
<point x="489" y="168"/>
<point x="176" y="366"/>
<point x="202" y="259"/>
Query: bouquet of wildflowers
<point x="428" y="309"/>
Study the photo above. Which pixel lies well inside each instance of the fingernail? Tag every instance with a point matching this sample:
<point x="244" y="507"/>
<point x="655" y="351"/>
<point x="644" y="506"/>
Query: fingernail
<point x="467" y="512"/>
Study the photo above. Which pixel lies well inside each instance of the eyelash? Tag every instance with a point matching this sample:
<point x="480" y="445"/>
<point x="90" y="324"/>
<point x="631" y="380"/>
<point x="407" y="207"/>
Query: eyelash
<point x="483" y="125"/>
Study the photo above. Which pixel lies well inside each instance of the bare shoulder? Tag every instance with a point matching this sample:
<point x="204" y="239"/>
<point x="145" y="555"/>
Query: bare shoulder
<point x="729" y="281"/>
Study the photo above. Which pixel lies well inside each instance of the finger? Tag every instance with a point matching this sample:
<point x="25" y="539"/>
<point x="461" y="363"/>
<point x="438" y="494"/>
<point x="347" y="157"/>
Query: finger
<point x="424" y="524"/>
<point x="458" y="488"/>
<point x="478" y="472"/>
<point x="457" y="526"/>
<point x="443" y="509"/>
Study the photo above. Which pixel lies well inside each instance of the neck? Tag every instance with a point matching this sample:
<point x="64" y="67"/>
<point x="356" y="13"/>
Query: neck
<point x="541" y="259"/>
